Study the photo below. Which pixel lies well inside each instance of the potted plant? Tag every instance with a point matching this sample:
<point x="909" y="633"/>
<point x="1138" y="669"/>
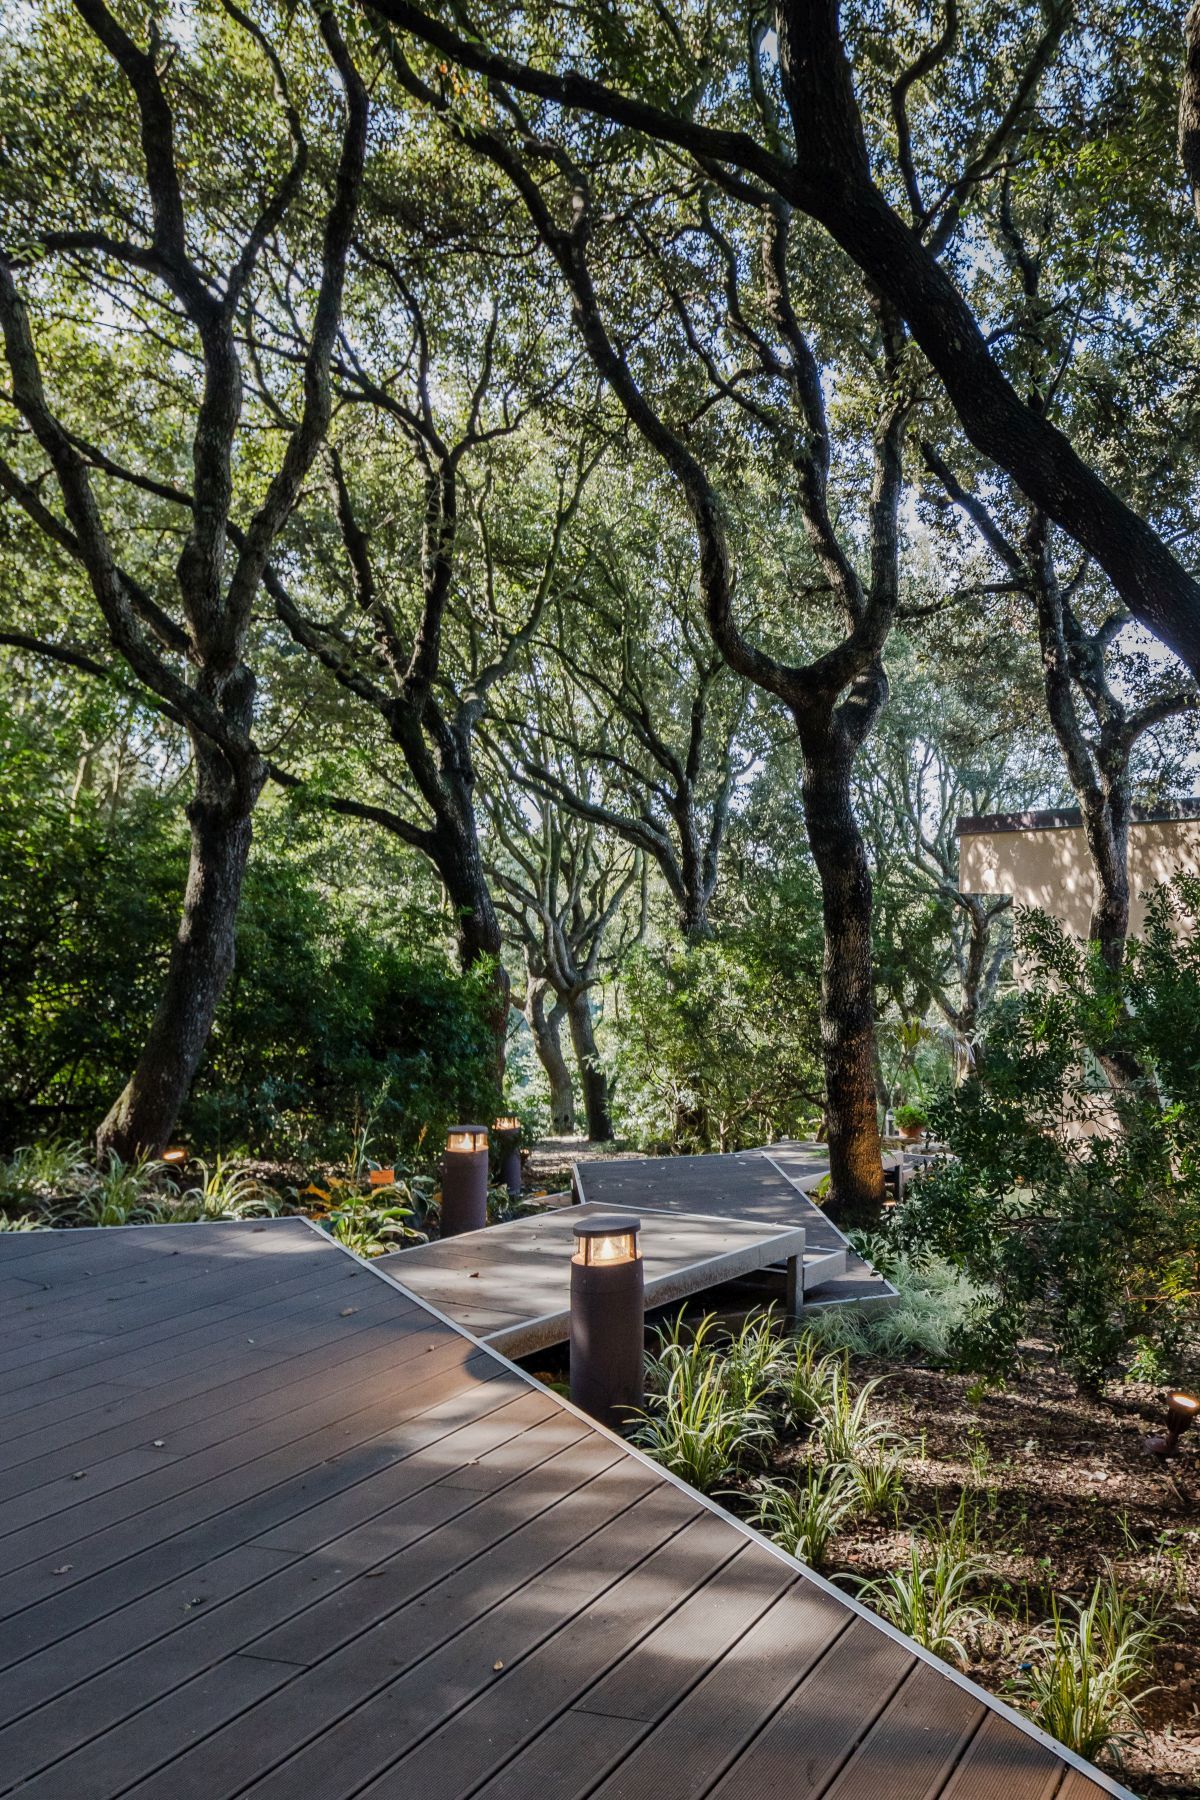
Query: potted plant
<point x="911" y="1122"/>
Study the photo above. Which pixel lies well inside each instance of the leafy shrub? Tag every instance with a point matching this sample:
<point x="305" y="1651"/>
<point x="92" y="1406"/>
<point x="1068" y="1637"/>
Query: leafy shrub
<point x="1080" y="1208"/>
<point x="337" y="1009"/>
<point x="911" y="1118"/>
<point x="719" y="1042"/>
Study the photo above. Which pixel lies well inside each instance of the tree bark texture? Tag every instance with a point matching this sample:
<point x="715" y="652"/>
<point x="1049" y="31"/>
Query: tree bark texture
<point x="847" y="1009"/>
<point x="592" y="1075"/>
<point x="545" y="1027"/>
<point x="143" y="1117"/>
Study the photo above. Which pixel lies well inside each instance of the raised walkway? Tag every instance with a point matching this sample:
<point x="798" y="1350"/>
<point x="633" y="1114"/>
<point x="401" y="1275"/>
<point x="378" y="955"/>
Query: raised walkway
<point x="756" y="1185"/>
<point x="271" y="1529"/>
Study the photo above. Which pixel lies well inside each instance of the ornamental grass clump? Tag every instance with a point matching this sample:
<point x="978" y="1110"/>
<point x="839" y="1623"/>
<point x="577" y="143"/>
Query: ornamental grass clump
<point x="804" y="1380"/>
<point x="707" y="1418"/>
<point x="1086" y="1665"/>
<point x="848" y="1433"/>
<point x="224" y="1192"/>
<point x="803" y="1519"/>
<point x="929" y="1601"/>
<point x="696" y="1431"/>
<point x="751" y="1362"/>
<point x="879" y="1484"/>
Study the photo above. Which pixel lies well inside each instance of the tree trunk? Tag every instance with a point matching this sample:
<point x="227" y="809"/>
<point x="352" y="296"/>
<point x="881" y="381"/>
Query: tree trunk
<point x="142" y="1119"/>
<point x="847" y="1001"/>
<point x="595" y="1081"/>
<point x="547" y="1041"/>
<point x="455" y="855"/>
<point x="1106" y="827"/>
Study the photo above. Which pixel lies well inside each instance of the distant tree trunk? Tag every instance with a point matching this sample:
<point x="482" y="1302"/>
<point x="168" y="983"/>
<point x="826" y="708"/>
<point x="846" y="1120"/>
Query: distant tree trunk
<point x="595" y="1081"/>
<point x="1106" y="813"/>
<point x="847" y="1011"/>
<point x="142" y="1119"/>
<point x="454" y="852"/>
<point x="546" y="1028"/>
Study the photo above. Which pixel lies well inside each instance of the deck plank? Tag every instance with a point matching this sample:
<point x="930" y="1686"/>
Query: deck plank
<point x="510" y="1284"/>
<point x="371" y="1560"/>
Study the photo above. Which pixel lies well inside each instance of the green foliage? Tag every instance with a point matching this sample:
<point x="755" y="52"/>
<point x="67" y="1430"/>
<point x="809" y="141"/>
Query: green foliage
<point x="805" y="1378"/>
<point x="694" y="1429"/>
<point x="55" y="1184"/>
<point x="87" y="918"/>
<point x="371" y="1224"/>
<point x="879" y="1481"/>
<point x="848" y="1432"/>
<point x="719" y="1042"/>
<point x="1086" y="1664"/>
<point x="333" y="1016"/>
<point x="938" y="1303"/>
<point x="928" y="1599"/>
<point x="1080" y="1209"/>
<point x="804" y="1518"/>
<point x="911" y="1118"/>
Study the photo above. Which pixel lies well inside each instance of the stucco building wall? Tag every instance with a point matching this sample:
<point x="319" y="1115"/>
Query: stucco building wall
<point x="1049" y="867"/>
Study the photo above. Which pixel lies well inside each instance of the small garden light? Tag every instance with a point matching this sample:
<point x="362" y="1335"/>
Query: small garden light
<point x="1182" y="1411"/>
<point x="177" y="1153"/>
<point x="607" y="1317"/>
<point x="465" y="1180"/>
<point x="508" y="1132"/>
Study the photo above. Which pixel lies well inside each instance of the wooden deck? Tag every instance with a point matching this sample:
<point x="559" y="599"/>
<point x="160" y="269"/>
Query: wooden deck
<point x="270" y="1529"/>
<point x="511" y="1284"/>
<point x="757" y="1185"/>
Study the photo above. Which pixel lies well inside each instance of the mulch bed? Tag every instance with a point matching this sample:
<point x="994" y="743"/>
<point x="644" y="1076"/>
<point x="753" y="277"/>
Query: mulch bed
<point x="1064" y="1489"/>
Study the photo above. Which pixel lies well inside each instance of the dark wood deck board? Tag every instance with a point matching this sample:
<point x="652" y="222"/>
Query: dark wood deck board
<point x="116" y="1412"/>
<point x="354" y="1517"/>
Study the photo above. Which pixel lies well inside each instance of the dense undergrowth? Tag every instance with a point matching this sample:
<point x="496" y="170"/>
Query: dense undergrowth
<point x="369" y="1209"/>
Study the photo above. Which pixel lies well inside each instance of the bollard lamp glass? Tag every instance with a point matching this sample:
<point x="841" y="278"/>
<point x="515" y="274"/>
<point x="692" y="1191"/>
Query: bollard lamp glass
<point x="468" y="1138"/>
<point x="606" y="1241"/>
<point x="507" y="1123"/>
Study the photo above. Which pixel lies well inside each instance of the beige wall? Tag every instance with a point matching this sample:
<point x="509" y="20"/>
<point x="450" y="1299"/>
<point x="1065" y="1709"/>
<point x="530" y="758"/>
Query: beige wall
<point x="1050" y="868"/>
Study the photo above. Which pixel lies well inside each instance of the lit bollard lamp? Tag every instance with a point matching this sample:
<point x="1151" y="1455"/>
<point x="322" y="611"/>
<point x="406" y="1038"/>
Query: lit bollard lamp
<point x="607" y="1318"/>
<point x="508" y="1137"/>
<point x="465" y="1180"/>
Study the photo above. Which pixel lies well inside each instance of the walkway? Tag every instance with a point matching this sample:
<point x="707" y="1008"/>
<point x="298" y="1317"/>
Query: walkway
<point x="511" y="1284"/>
<point x="272" y="1530"/>
<point x="758" y="1185"/>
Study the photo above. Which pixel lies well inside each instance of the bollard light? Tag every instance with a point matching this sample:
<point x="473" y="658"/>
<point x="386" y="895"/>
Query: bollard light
<point x="175" y="1155"/>
<point x="465" y="1180"/>
<point x="508" y="1134"/>
<point x="607" y="1318"/>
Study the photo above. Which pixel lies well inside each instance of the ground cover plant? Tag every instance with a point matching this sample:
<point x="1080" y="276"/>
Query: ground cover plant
<point x="1020" y="1533"/>
<point x="370" y="1209"/>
